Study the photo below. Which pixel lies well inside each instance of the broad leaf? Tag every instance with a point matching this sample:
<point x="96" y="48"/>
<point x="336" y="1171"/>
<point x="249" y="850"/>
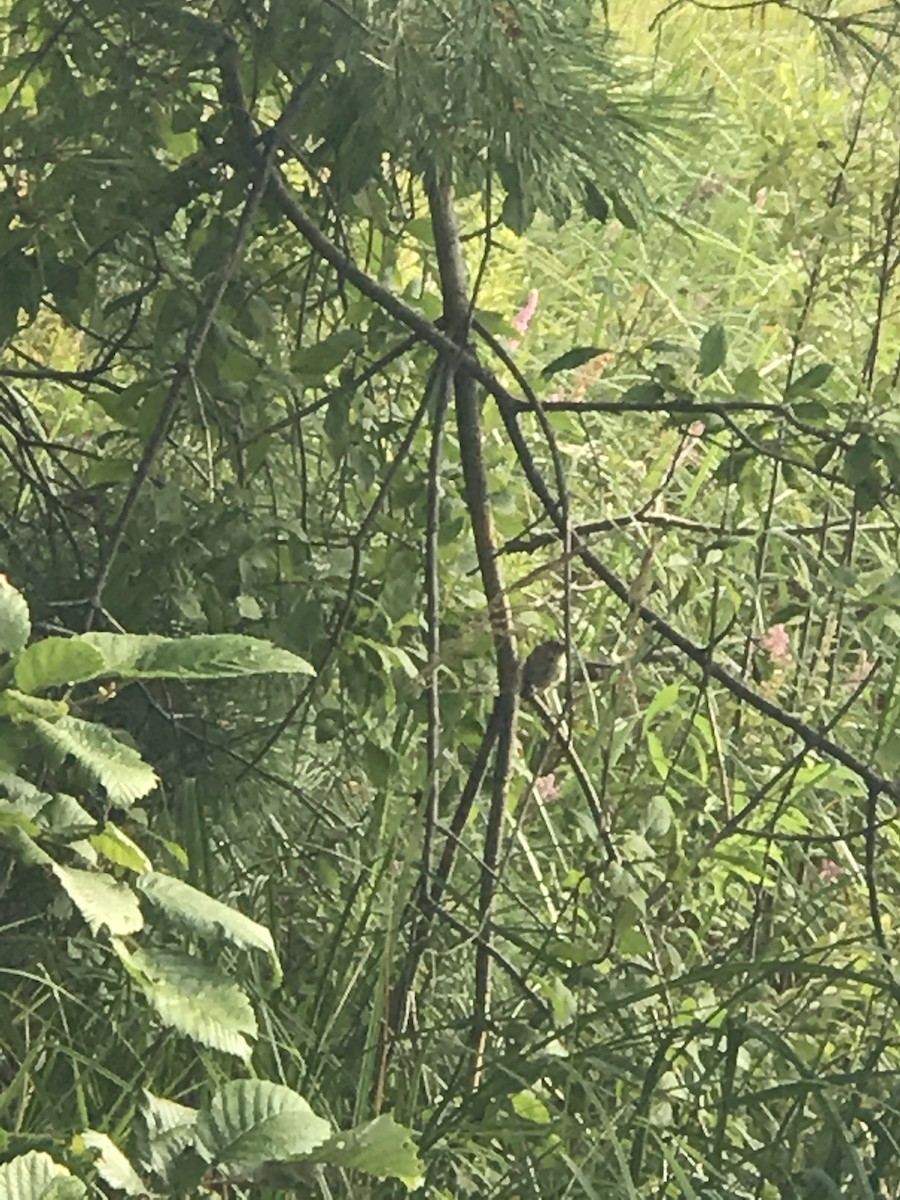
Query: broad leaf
<point x="22" y="707"/>
<point x="380" y="1147"/>
<point x="111" y="1164"/>
<point x="576" y="357"/>
<point x="327" y="354"/>
<point x="622" y="211"/>
<point x="104" y="902"/>
<point x="56" y="661"/>
<point x="118" y="767"/>
<point x="595" y="203"/>
<point x="713" y="346"/>
<point x="809" y="381"/>
<point x="250" y="1122"/>
<point x="35" y="1176"/>
<point x="203" y="914"/>
<point x="15" y="622"/>
<point x="170" y="1131"/>
<point x="194" y="998"/>
<point x="118" y="848"/>
<point x="203" y="656"/>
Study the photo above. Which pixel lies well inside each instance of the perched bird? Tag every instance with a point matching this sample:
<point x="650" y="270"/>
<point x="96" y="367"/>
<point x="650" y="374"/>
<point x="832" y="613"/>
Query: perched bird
<point x="544" y="666"/>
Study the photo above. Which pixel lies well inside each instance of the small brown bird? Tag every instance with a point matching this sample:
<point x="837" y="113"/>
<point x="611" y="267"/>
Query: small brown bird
<point x="544" y="666"/>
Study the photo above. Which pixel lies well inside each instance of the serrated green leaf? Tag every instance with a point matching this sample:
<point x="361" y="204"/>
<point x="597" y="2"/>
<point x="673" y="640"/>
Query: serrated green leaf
<point x="35" y="1176"/>
<point x="204" y="914"/>
<point x="56" y="661"/>
<point x="713" y="348"/>
<point x="203" y="656"/>
<point x="381" y="1148"/>
<point x="576" y="357"/>
<point x="21" y="707"/>
<point x="118" y="767"/>
<point x="64" y="818"/>
<point x="111" y="1164"/>
<point x="104" y="902"/>
<point x="251" y="1121"/>
<point x="25" y="848"/>
<point x="15" y="621"/>
<point x="170" y="1131"/>
<point x="194" y="997"/>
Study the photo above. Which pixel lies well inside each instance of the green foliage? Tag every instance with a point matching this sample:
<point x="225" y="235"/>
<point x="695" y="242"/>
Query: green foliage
<point x="247" y="1129"/>
<point x="708" y="1012"/>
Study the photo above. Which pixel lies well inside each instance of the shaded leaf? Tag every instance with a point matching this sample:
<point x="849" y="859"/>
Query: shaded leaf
<point x="55" y="661"/>
<point x="111" y="1164"/>
<point x="572" y="358"/>
<point x="203" y="656"/>
<point x="194" y="997"/>
<point x="622" y="211"/>
<point x="327" y="354"/>
<point x="104" y="902"/>
<point x="251" y="1121"/>
<point x="595" y="203"/>
<point x="15" y="621"/>
<point x="713" y="347"/>
<point x="118" y="767"/>
<point x="203" y="914"/>
<point x="170" y="1130"/>
<point x="809" y="380"/>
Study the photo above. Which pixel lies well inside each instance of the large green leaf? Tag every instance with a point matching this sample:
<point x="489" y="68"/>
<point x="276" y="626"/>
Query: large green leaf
<point x="170" y="1131"/>
<point x="203" y="656"/>
<point x="15" y="622"/>
<point x="194" y="998"/>
<point x="35" y="1176"/>
<point x="111" y="1164"/>
<point x="118" y="767"/>
<point x="251" y="1121"/>
<point x="55" y="661"/>
<point x="104" y="902"/>
<point x="380" y="1147"/>
<point x="203" y="914"/>
<point x="22" y="707"/>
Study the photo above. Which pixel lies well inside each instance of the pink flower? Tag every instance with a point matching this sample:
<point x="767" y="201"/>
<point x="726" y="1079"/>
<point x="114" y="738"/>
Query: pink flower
<point x="777" y="644"/>
<point x="547" y="787"/>
<point x="522" y="319"/>
<point x="829" y="870"/>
